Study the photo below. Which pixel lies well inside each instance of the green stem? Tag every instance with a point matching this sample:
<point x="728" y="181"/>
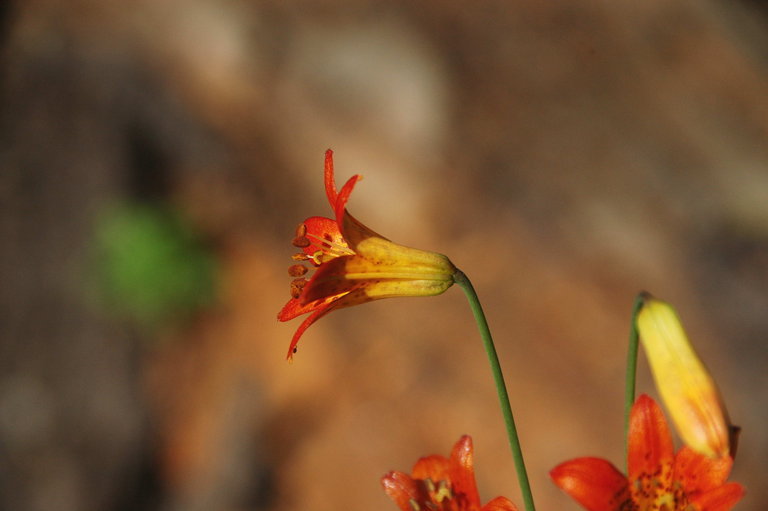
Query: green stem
<point x="631" y="376"/>
<point x="506" y="409"/>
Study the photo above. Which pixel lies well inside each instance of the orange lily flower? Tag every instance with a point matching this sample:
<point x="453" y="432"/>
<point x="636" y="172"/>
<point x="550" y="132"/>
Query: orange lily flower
<point x="353" y="264"/>
<point x="659" y="479"/>
<point x="441" y="484"/>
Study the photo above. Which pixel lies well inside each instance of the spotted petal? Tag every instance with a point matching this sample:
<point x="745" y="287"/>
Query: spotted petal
<point x="650" y="443"/>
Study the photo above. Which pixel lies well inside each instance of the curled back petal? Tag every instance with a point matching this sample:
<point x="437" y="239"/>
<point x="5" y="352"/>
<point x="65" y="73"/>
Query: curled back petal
<point x="354" y="297"/>
<point x="593" y="482"/>
<point x="293" y="309"/>
<point x="340" y="207"/>
<point x="296" y="307"/>
<point x="319" y="313"/>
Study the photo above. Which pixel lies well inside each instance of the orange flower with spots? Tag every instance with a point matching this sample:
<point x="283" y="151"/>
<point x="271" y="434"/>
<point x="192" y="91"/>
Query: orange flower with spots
<point x="353" y="264"/>
<point x="658" y="480"/>
<point x="438" y="483"/>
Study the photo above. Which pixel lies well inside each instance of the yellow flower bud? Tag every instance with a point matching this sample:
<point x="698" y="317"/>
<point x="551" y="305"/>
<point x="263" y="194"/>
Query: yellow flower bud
<point x="686" y="387"/>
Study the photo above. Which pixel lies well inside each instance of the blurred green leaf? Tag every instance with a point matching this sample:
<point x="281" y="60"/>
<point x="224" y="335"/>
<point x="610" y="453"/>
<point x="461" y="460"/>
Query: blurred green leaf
<point x="153" y="268"/>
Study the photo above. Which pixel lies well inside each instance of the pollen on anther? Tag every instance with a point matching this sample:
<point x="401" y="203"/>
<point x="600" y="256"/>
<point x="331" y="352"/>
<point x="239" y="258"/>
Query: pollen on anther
<point x="297" y="270"/>
<point x="301" y="242"/>
<point x="297" y="286"/>
<point x="301" y="230"/>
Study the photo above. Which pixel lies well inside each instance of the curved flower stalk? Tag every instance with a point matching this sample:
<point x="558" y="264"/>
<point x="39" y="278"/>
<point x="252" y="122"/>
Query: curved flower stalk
<point x="687" y="389"/>
<point x="658" y="478"/>
<point x="438" y="483"/>
<point x="353" y="264"/>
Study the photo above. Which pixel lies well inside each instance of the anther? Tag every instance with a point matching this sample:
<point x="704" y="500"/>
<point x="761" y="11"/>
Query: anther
<point x="443" y="491"/>
<point x="301" y="230"/>
<point x="297" y="270"/>
<point x="297" y="286"/>
<point x="301" y="242"/>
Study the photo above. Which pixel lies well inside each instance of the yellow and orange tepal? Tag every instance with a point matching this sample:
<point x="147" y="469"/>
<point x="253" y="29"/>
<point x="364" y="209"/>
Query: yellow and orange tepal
<point x="686" y="387"/>
<point x="353" y="264"/>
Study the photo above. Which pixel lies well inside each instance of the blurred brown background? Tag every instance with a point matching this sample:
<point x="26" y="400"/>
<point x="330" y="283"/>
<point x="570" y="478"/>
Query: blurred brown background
<point x="156" y="156"/>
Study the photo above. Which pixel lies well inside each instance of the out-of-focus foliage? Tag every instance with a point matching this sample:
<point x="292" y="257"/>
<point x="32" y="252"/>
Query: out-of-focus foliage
<point x="152" y="266"/>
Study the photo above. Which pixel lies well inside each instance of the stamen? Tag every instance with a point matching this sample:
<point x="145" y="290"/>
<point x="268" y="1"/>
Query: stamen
<point x="414" y="505"/>
<point x="443" y="491"/>
<point x="331" y="248"/>
<point x="297" y="286"/>
<point x="297" y="270"/>
<point x="301" y="230"/>
<point x="301" y="256"/>
<point x="301" y="242"/>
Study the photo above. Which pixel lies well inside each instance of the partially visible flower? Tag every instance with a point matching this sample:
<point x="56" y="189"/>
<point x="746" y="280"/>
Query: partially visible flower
<point x="686" y="387"/>
<point x="438" y="483"/>
<point x="658" y="480"/>
<point x="353" y="264"/>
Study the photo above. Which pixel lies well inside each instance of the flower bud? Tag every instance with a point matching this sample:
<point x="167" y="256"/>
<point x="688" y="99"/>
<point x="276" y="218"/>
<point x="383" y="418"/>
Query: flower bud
<point x="686" y="387"/>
